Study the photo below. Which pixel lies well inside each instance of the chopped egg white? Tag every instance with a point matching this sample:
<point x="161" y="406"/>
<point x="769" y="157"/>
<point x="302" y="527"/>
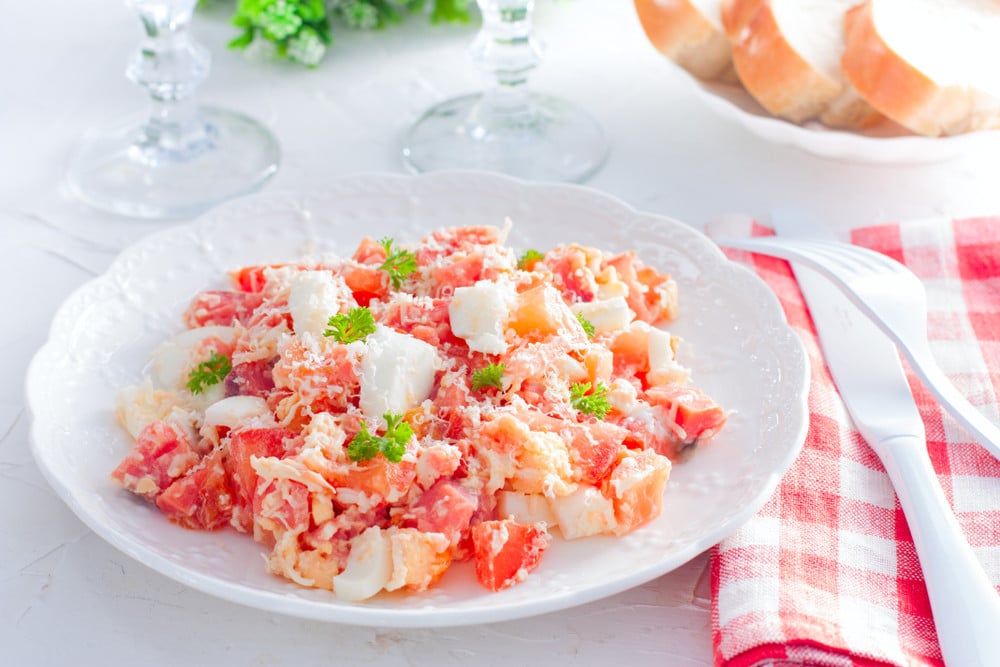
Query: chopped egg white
<point x="607" y="315"/>
<point x="583" y="513"/>
<point x="609" y="285"/>
<point x="242" y="411"/>
<point x="479" y="314"/>
<point x="139" y="406"/>
<point x="315" y="296"/>
<point x="663" y="367"/>
<point x="397" y="372"/>
<point x="525" y="508"/>
<point x="369" y="566"/>
<point x="236" y="410"/>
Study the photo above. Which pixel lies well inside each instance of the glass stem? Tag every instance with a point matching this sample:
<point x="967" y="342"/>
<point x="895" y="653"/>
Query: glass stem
<point x="505" y="50"/>
<point x="170" y="65"/>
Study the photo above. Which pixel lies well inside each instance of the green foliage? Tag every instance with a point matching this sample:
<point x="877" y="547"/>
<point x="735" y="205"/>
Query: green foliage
<point x="488" y="376"/>
<point x="588" y="326"/>
<point x="301" y="29"/>
<point x="399" y="264"/>
<point x="364" y="446"/>
<point x="212" y="371"/>
<point x="590" y="402"/>
<point x="353" y="325"/>
<point x="527" y="261"/>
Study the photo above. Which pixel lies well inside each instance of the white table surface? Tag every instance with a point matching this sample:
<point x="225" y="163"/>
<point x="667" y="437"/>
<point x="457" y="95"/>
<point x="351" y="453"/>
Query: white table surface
<point x="65" y="595"/>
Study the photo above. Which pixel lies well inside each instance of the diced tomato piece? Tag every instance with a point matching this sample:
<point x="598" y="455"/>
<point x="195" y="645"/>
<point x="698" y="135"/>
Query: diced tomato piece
<point x="325" y="381"/>
<point x="222" y="308"/>
<point x="283" y="502"/>
<point x="465" y="238"/>
<point x="265" y="319"/>
<point x="575" y="268"/>
<point x="160" y="455"/>
<point x="462" y="272"/>
<point x="451" y="399"/>
<point x="202" y="499"/>
<point x="366" y="283"/>
<point x="635" y="487"/>
<point x="251" y="278"/>
<point x="377" y="477"/>
<point x="652" y="296"/>
<point x="506" y="551"/>
<point x="369" y="251"/>
<point x="631" y="352"/>
<point x="696" y="414"/>
<point x="427" y="320"/>
<point x="247" y="443"/>
<point x="446" y="507"/>
<point x="594" y="445"/>
<point x="594" y="449"/>
<point x="251" y="378"/>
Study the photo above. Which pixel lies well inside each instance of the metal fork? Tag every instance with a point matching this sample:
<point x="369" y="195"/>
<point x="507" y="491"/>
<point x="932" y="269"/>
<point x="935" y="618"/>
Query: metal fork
<point x="895" y="300"/>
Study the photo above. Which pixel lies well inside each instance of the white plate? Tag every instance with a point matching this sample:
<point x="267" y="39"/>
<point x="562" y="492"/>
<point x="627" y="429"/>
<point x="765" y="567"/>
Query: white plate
<point x="737" y="343"/>
<point x="885" y="143"/>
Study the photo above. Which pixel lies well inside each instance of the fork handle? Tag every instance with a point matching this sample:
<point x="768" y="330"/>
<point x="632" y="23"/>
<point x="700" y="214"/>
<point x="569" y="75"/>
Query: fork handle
<point x="965" y="605"/>
<point x="918" y="353"/>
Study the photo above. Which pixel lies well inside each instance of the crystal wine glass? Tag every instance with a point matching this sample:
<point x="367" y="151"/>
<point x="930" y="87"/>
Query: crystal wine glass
<point x="506" y="127"/>
<point x="182" y="158"/>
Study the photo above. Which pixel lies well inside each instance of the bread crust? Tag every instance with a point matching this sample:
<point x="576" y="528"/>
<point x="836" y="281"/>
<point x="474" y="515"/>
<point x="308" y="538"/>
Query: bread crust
<point x="776" y="75"/>
<point x="902" y="92"/>
<point x="736" y="15"/>
<point x="681" y="32"/>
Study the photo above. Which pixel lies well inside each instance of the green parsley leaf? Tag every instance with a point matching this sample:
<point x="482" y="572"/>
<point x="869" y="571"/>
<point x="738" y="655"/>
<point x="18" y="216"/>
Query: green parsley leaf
<point x="450" y="10"/>
<point x="298" y="29"/>
<point x="212" y="371"/>
<point x="526" y="261"/>
<point x="593" y="403"/>
<point x="398" y="434"/>
<point x="588" y="326"/>
<point x="364" y="446"/>
<point x="399" y="264"/>
<point x="353" y="325"/>
<point x="489" y="376"/>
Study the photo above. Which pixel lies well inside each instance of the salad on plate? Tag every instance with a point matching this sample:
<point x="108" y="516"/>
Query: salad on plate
<point x="373" y="420"/>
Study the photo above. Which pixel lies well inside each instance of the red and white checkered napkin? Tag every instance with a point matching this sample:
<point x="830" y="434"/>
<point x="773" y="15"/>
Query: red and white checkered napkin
<point x="826" y="572"/>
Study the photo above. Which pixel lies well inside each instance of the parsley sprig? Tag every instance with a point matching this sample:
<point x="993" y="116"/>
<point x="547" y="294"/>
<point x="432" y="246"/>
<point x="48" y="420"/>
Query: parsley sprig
<point x="590" y="402"/>
<point x="588" y="326"/>
<point x="301" y="30"/>
<point x="364" y="446"/>
<point x="298" y="29"/>
<point x="353" y="325"/>
<point x="488" y="376"/>
<point x="526" y="261"/>
<point x="211" y="371"/>
<point x="399" y="264"/>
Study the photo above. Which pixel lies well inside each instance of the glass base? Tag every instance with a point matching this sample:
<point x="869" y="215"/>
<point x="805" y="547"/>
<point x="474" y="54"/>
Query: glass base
<point x="124" y="172"/>
<point x="545" y="139"/>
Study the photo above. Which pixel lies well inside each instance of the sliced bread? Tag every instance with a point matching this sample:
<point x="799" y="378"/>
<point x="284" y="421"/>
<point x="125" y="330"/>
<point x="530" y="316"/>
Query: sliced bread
<point x="690" y="33"/>
<point x="788" y="58"/>
<point x="736" y="14"/>
<point x="932" y="66"/>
